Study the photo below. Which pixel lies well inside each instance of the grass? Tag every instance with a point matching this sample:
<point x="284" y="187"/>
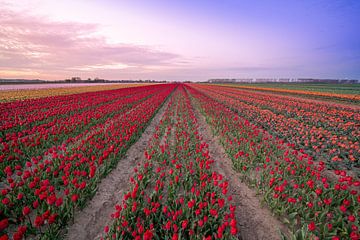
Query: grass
<point x="350" y="89"/>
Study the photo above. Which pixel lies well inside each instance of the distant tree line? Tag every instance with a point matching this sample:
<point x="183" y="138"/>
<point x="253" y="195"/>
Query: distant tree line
<point x="74" y="80"/>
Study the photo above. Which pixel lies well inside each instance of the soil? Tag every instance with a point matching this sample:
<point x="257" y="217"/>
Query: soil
<point x="89" y="223"/>
<point x="254" y="221"/>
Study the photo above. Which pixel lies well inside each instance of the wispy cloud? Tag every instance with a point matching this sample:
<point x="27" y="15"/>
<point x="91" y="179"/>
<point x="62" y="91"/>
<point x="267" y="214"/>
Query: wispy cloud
<point x="194" y="40"/>
<point x="31" y="44"/>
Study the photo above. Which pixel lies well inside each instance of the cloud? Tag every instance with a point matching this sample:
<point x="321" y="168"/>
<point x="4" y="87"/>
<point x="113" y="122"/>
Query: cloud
<point x="36" y="44"/>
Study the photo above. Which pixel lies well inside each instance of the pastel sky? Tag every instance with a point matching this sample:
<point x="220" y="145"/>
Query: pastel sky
<point x="179" y="40"/>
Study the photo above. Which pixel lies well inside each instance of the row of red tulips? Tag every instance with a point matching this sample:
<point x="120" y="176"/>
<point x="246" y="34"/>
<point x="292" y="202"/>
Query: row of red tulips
<point x="314" y="202"/>
<point x="23" y="115"/>
<point x="40" y="198"/>
<point x="174" y="193"/>
<point x="17" y="147"/>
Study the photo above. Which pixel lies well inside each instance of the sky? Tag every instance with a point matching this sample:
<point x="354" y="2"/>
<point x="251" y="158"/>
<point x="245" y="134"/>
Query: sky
<point x="179" y="40"/>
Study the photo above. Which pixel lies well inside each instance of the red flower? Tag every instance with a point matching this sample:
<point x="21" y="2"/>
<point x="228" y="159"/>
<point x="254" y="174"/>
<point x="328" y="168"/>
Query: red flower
<point x="184" y="224"/>
<point x="22" y="229"/>
<point x="328" y="201"/>
<point x="233" y="230"/>
<point x="26" y="210"/>
<point x="343" y="208"/>
<point x="59" y="202"/>
<point x="17" y="236"/>
<point x="346" y="202"/>
<point x="35" y="204"/>
<point x="5" y="201"/>
<point x="329" y="225"/>
<point x="213" y="212"/>
<point x="354" y="227"/>
<point x="4" y="224"/>
<point x="310" y="183"/>
<point x="351" y="218"/>
<point x="318" y="191"/>
<point x="74" y="197"/>
<point x="82" y="185"/>
<point x="148" y="235"/>
<point x="354" y="236"/>
<point x="4" y="237"/>
<point x="39" y="221"/>
<point x="164" y="209"/>
<point x="46" y="214"/>
<point x="20" y="196"/>
<point x="311" y="226"/>
<point x="168" y="225"/>
<point x="221" y="202"/>
<point x="134" y="207"/>
<point x="52" y="218"/>
<point x="220" y="232"/>
<point x="191" y="203"/>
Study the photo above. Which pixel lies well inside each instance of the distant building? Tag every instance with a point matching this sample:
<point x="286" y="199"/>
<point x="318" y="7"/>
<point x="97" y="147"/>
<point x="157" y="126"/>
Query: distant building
<point x="281" y="80"/>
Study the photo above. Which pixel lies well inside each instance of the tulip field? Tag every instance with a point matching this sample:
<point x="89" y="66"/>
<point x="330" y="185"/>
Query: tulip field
<point x="299" y="156"/>
<point x="345" y="93"/>
<point x="55" y="150"/>
<point x="287" y="149"/>
<point x="175" y="194"/>
<point x="21" y="92"/>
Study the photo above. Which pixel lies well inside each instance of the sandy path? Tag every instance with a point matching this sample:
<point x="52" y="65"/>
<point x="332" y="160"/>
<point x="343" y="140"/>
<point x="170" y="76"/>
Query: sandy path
<point x="254" y="221"/>
<point x="89" y="223"/>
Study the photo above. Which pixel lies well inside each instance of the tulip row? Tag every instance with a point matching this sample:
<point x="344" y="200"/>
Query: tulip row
<point x="306" y="93"/>
<point x="329" y="131"/>
<point x="314" y="202"/>
<point x="23" y="115"/>
<point x="58" y="125"/>
<point x="174" y="193"/>
<point x="22" y="94"/>
<point x="40" y="198"/>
